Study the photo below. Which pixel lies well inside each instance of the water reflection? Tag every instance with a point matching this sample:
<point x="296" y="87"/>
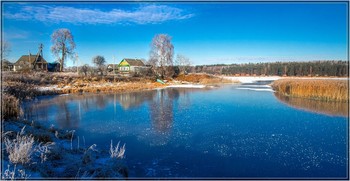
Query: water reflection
<point x="161" y="109"/>
<point x="67" y="110"/>
<point x="321" y="107"/>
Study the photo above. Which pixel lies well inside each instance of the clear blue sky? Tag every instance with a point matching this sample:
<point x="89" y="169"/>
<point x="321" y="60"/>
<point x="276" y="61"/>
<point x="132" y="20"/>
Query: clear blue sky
<point x="207" y="33"/>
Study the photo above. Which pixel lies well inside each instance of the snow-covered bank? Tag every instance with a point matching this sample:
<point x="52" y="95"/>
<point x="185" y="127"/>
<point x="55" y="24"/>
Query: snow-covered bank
<point x="252" y="79"/>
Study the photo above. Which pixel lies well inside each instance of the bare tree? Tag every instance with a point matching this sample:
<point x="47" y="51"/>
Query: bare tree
<point x="99" y="61"/>
<point x="63" y="45"/>
<point x="182" y="62"/>
<point x="5" y="49"/>
<point x="85" y="69"/>
<point x="162" y="52"/>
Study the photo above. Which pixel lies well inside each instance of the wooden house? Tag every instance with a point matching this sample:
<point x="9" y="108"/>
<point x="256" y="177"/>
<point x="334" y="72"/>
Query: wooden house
<point x="128" y="65"/>
<point x="30" y="62"/>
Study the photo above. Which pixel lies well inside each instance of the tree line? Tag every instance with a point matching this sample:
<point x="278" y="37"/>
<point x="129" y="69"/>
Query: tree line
<point x="311" y="68"/>
<point x="161" y="58"/>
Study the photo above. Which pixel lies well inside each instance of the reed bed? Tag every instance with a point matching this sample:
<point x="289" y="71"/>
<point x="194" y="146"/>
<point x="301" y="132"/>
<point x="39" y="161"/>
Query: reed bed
<point x="203" y="79"/>
<point x="318" y="89"/>
<point x="10" y="107"/>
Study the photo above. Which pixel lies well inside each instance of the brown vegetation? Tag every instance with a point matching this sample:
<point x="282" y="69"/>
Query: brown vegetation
<point x="203" y="79"/>
<point x="328" y="90"/>
<point x="10" y="106"/>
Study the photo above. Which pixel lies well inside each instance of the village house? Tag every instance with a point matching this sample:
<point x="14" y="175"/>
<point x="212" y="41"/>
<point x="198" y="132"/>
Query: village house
<point x="128" y="65"/>
<point x="31" y="62"/>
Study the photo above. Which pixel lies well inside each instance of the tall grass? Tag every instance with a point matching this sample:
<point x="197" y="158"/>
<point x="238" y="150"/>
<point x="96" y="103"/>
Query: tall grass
<point x="319" y="89"/>
<point x="10" y="106"/>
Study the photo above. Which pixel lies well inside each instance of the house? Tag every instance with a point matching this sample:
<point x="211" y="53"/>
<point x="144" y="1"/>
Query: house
<point x="53" y="67"/>
<point x="128" y="65"/>
<point x="111" y="67"/>
<point x="30" y="62"/>
<point x="7" y="65"/>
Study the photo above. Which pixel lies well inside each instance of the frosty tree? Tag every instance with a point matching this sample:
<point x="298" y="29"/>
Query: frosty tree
<point x="182" y="62"/>
<point x="99" y="61"/>
<point x="63" y="45"/>
<point x="162" y="52"/>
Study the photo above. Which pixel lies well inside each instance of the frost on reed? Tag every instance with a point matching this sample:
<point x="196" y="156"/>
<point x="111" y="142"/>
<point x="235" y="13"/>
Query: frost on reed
<point x="13" y="174"/>
<point x="21" y="148"/>
<point x="43" y="149"/>
<point x="328" y="90"/>
<point x="117" y="152"/>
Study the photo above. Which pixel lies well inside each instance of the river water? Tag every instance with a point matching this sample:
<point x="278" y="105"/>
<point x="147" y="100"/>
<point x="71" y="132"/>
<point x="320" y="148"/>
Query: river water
<point x="231" y="131"/>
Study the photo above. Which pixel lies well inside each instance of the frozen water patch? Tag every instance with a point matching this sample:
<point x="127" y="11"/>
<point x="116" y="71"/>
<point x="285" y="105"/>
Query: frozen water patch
<point x="267" y="90"/>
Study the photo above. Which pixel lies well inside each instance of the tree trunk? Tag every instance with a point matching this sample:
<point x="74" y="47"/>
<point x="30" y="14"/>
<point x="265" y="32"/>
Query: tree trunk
<point x="63" y="55"/>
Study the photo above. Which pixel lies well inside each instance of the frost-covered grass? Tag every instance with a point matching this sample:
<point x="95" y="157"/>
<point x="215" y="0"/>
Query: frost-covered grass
<point x="13" y="174"/>
<point x="63" y="158"/>
<point x="20" y="149"/>
<point x="117" y="152"/>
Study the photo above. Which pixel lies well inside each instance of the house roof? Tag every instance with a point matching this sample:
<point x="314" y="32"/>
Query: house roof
<point x="134" y="62"/>
<point x="30" y="59"/>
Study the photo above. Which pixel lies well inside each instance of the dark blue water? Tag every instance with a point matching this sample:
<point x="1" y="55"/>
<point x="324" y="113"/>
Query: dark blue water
<point x="227" y="132"/>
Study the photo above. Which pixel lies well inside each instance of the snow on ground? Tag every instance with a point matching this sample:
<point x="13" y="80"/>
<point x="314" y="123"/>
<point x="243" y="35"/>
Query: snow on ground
<point x="186" y="86"/>
<point x="48" y="88"/>
<point x="245" y="79"/>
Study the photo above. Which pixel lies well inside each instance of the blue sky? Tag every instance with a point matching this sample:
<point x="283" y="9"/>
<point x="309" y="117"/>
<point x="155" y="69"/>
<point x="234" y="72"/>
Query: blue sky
<point x="207" y="33"/>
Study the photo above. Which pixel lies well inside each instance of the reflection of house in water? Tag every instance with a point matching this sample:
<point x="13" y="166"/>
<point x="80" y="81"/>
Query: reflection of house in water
<point x="134" y="99"/>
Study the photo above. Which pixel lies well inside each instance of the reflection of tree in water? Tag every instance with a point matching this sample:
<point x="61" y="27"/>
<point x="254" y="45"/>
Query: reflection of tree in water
<point x="322" y="107"/>
<point x="101" y="101"/>
<point x="68" y="117"/>
<point x="161" y="109"/>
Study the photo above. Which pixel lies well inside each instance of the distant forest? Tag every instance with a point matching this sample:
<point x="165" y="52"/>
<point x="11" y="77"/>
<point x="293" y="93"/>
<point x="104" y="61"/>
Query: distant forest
<point x="314" y="68"/>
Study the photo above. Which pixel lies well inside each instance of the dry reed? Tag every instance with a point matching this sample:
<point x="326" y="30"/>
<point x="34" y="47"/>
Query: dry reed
<point x="10" y="107"/>
<point x="203" y="79"/>
<point x="318" y="89"/>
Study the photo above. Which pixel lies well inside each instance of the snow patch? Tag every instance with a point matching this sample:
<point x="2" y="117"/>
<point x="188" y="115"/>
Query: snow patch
<point x="252" y="79"/>
<point x="186" y="86"/>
